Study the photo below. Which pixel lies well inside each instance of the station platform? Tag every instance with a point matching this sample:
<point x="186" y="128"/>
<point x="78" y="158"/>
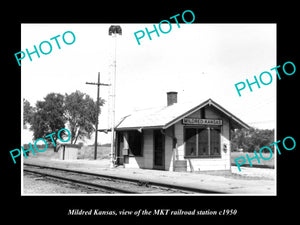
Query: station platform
<point x="253" y="181"/>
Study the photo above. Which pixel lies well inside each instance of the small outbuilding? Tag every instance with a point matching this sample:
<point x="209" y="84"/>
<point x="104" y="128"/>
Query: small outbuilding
<point x="69" y="151"/>
<point x="177" y="137"/>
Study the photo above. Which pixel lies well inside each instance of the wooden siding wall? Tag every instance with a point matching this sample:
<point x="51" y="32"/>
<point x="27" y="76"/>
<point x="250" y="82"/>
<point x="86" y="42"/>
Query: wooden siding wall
<point x="194" y="164"/>
<point x="223" y="163"/>
<point x="169" y="149"/>
<point x="146" y="160"/>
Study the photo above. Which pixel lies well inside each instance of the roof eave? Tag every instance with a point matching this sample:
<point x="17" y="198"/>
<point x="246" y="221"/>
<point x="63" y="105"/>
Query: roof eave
<point x="139" y="128"/>
<point x="236" y="122"/>
<point x="239" y="123"/>
<point x="191" y="111"/>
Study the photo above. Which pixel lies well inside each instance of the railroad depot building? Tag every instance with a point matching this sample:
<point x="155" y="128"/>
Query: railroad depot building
<point x="177" y="137"/>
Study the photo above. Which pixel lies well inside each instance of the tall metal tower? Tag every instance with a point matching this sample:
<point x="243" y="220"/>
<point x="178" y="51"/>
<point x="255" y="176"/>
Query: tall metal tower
<point x="113" y="31"/>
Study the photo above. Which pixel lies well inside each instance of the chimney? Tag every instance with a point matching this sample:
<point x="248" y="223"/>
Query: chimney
<point x="171" y="97"/>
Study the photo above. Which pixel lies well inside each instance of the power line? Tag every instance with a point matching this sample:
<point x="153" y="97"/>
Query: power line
<point x="256" y="124"/>
<point x="262" y="121"/>
<point x="256" y="107"/>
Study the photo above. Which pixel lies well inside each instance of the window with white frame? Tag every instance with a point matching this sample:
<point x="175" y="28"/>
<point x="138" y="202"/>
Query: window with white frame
<point x="202" y="142"/>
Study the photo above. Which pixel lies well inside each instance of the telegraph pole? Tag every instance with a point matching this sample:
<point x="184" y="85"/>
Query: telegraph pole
<point x="97" y="110"/>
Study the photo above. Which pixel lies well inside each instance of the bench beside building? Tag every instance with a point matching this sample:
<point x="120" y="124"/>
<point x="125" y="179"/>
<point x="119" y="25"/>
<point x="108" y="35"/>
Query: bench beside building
<point x="177" y="137"/>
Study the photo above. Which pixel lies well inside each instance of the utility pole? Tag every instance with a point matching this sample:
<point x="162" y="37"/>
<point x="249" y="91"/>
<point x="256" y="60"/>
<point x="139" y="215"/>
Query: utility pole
<point x="97" y="111"/>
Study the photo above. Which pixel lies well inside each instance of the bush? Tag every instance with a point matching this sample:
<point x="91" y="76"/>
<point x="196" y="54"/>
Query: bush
<point x="252" y="140"/>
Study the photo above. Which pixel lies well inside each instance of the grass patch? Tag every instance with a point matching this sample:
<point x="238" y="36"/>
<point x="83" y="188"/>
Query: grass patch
<point x="263" y="163"/>
<point x="87" y="152"/>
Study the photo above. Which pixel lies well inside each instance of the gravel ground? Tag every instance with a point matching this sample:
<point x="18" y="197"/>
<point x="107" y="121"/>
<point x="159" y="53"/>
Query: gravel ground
<point x="34" y="184"/>
<point x="248" y="181"/>
<point x="255" y="173"/>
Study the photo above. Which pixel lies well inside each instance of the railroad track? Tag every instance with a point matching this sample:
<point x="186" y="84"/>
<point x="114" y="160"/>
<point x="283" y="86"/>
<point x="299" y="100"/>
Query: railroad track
<point x="107" y="183"/>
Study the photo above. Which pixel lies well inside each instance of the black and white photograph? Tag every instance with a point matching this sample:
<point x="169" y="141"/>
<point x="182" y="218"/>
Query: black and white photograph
<point x="156" y="115"/>
<point x="170" y="118"/>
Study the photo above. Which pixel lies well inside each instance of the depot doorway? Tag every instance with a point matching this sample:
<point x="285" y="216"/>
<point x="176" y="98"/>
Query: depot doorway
<point x="159" y="150"/>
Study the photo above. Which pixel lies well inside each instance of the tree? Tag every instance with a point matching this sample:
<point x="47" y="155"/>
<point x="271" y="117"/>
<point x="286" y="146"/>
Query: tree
<point x="81" y="115"/>
<point x="49" y="118"/>
<point x="252" y="139"/>
<point x="28" y="112"/>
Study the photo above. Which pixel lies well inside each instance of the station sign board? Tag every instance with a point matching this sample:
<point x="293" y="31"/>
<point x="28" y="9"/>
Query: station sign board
<point x="198" y="121"/>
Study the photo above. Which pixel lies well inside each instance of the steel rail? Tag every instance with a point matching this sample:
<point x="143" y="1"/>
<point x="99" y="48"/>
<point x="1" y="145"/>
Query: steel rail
<point x="82" y="182"/>
<point x="136" y="181"/>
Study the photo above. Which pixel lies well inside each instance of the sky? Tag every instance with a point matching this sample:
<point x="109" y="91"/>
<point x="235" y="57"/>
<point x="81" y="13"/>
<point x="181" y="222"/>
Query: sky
<point x="199" y="61"/>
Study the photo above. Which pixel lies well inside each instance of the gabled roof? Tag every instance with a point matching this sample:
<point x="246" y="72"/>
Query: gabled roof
<point x="165" y="117"/>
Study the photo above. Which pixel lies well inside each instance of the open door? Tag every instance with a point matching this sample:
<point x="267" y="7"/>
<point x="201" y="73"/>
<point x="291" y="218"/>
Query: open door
<point x="120" y="146"/>
<point x="159" y="150"/>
